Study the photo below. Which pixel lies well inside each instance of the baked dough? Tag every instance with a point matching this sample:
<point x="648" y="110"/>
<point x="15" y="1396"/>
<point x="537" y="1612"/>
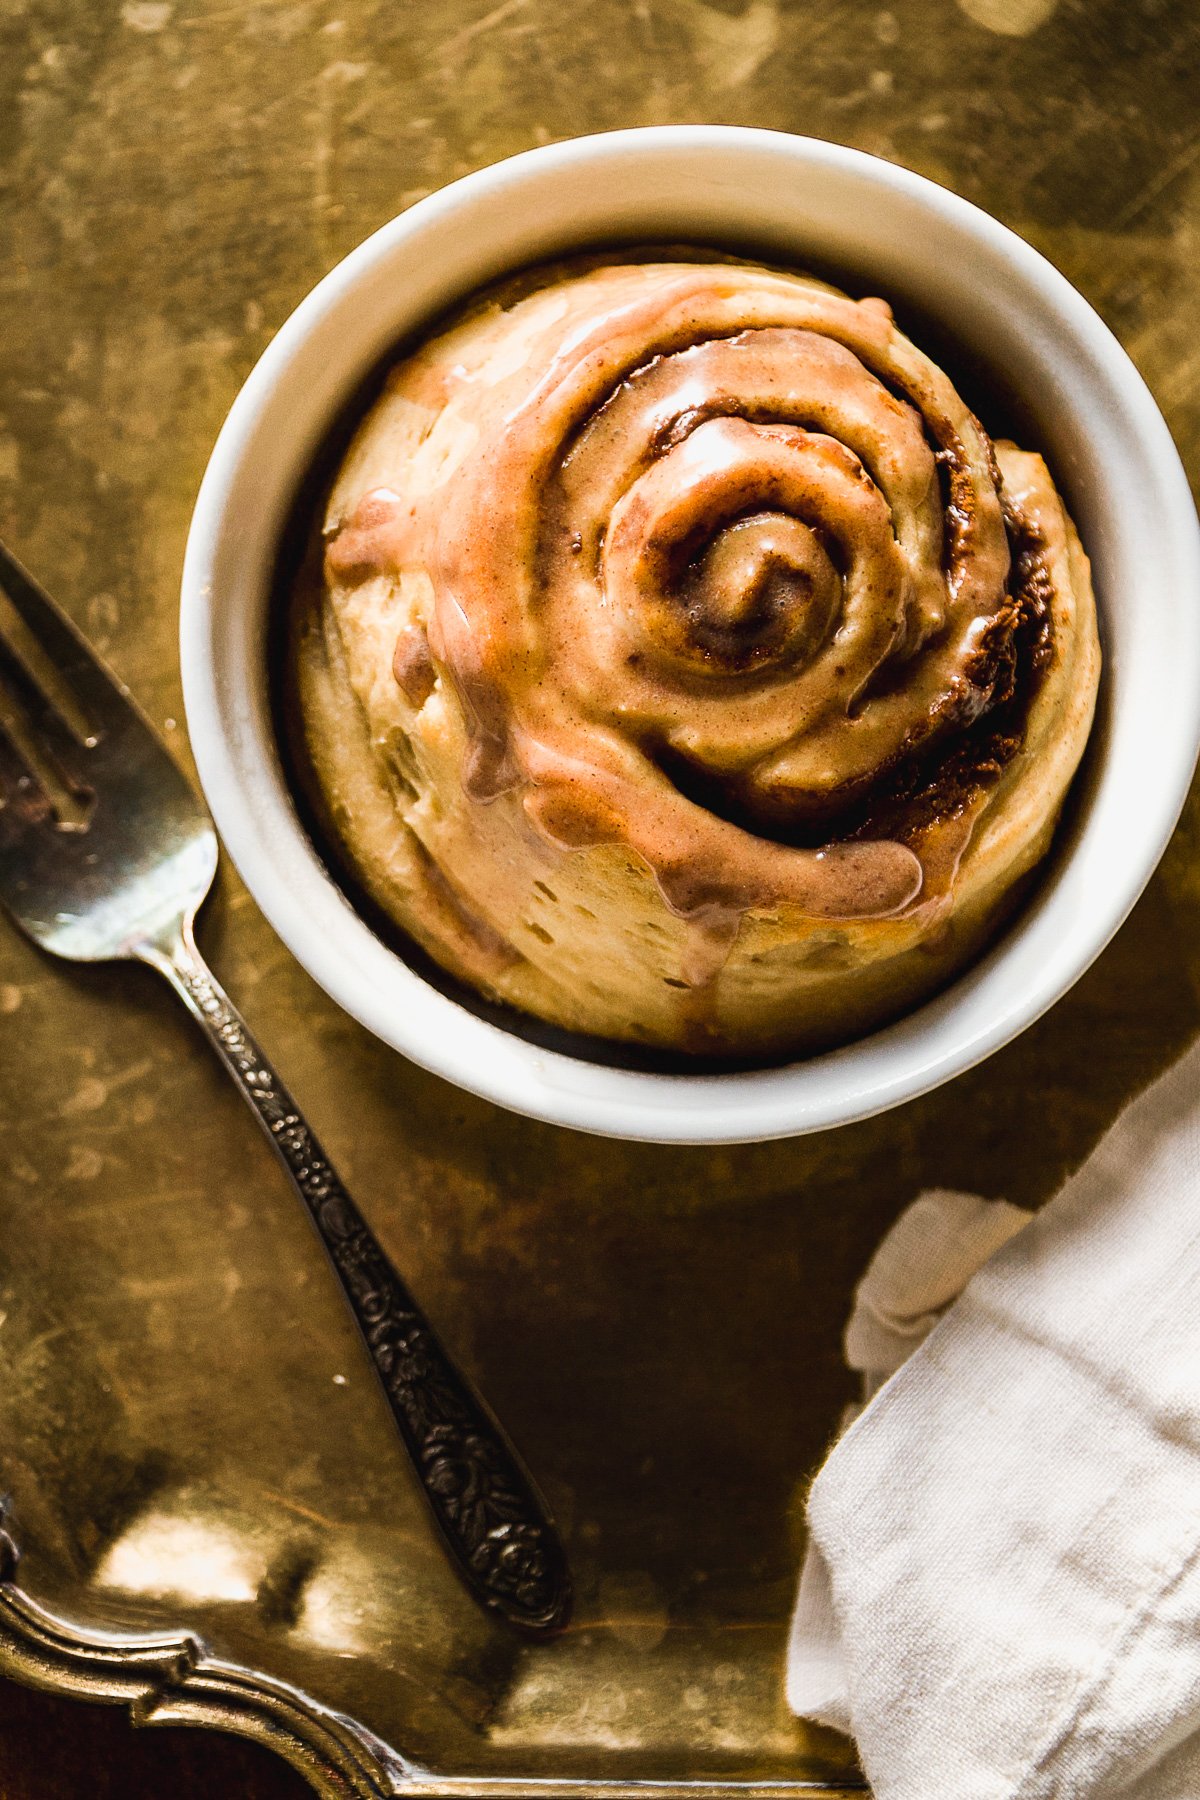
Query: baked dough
<point x="685" y="665"/>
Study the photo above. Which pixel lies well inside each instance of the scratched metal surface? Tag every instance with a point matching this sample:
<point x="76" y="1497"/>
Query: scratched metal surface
<point x="186" y="1423"/>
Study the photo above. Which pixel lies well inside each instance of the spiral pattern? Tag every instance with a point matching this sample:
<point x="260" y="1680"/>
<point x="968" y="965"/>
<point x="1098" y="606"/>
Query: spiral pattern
<point x="719" y="569"/>
<point x="729" y="560"/>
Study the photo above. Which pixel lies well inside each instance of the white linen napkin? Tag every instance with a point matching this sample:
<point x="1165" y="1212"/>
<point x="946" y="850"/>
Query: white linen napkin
<point x="1004" y="1597"/>
<point x="921" y="1266"/>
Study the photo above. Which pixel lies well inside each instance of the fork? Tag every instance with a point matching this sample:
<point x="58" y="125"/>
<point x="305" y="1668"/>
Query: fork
<point x="114" y="865"/>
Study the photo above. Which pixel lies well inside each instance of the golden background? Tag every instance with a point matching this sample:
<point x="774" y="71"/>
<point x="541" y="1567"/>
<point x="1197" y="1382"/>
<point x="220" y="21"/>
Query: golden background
<point x="189" y="1430"/>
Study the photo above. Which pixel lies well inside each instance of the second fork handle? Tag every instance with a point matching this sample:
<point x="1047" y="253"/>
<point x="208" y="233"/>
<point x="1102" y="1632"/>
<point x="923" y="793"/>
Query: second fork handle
<point x="492" y="1518"/>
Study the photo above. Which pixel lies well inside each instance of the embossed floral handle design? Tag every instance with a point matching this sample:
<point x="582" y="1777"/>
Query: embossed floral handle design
<point x="491" y="1516"/>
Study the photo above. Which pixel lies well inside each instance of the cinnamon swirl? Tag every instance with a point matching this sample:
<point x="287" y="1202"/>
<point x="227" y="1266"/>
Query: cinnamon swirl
<point x="687" y="665"/>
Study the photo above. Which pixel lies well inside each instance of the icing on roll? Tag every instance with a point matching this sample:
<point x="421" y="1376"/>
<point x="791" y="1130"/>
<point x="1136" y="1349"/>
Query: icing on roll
<point x="686" y="665"/>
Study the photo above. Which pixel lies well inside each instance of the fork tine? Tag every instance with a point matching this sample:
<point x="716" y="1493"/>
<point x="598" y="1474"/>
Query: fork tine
<point x="23" y="800"/>
<point x="99" y="693"/>
<point x="54" y="733"/>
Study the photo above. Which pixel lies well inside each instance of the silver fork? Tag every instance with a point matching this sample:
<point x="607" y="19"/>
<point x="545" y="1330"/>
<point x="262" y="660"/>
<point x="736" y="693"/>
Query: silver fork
<point x="116" y="867"/>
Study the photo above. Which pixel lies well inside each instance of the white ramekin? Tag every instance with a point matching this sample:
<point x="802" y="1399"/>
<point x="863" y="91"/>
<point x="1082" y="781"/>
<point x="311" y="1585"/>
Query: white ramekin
<point x="807" y="203"/>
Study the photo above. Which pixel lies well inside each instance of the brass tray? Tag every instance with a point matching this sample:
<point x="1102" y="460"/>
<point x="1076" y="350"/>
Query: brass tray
<point x="215" y="1525"/>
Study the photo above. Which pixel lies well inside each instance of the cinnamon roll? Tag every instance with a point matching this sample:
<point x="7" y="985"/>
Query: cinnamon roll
<point x="685" y="664"/>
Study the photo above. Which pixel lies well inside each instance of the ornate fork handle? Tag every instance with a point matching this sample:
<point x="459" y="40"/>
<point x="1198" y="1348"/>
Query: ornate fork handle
<point x="491" y="1516"/>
